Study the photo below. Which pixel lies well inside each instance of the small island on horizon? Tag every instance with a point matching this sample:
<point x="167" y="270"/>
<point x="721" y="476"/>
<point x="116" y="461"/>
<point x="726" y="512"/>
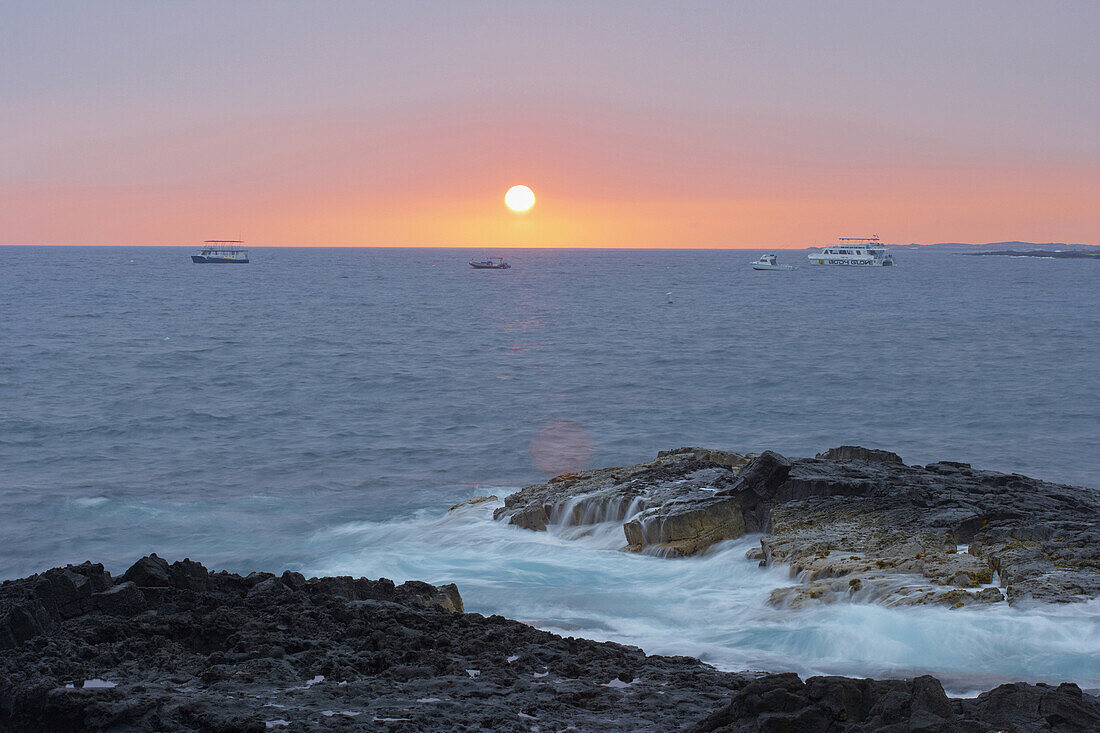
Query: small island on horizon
<point x="1057" y="254"/>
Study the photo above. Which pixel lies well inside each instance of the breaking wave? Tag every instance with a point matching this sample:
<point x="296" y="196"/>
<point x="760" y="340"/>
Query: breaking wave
<point x="573" y="580"/>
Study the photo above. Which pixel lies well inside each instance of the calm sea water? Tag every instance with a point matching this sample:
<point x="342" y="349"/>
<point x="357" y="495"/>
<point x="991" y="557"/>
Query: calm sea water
<point x="319" y="409"/>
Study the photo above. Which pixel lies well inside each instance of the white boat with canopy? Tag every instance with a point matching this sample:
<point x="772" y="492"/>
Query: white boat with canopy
<point x="217" y="251"/>
<point x="854" y="251"/>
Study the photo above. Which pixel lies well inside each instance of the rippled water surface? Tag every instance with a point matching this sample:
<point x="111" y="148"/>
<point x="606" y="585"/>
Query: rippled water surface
<point x="320" y="409"/>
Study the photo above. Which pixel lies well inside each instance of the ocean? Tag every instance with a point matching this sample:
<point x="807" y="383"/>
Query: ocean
<point x="320" y="409"/>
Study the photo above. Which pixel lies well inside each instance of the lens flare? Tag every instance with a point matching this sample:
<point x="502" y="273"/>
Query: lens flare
<point x="563" y="446"/>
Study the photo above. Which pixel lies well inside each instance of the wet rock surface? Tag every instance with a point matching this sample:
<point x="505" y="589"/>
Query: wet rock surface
<point x="851" y="522"/>
<point x="173" y="647"/>
<point x="668" y="506"/>
<point x="783" y="702"/>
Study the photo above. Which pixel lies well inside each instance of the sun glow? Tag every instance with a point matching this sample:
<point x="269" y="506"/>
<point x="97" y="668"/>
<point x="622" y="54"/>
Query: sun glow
<point x="519" y="198"/>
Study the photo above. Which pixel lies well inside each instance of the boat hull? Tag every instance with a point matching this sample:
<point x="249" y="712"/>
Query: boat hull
<point x="849" y="263"/>
<point x="758" y="266"/>
<point x="217" y="260"/>
<point x="489" y="267"/>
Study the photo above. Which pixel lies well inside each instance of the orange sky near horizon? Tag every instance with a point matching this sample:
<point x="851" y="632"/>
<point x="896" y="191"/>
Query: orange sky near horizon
<point x="745" y="223"/>
<point x="363" y="183"/>
<point x="949" y="206"/>
<point x="661" y="127"/>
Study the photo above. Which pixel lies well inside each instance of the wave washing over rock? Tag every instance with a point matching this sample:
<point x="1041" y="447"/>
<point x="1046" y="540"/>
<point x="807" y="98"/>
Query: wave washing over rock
<point x="850" y="523"/>
<point x="175" y="647"/>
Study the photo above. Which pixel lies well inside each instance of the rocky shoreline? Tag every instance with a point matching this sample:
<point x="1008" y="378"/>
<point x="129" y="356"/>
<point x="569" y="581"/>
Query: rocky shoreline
<point x="175" y="647"/>
<point x="851" y="523"/>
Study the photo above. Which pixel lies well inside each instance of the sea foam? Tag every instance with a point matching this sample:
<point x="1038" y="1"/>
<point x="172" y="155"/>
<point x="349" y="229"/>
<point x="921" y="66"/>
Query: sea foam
<point x="713" y="607"/>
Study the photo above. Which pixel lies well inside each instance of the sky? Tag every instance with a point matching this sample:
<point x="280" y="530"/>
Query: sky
<point x="637" y="124"/>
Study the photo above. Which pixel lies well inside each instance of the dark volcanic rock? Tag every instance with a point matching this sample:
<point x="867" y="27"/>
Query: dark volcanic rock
<point x="222" y="652"/>
<point x="217" y="651"/>
<point x="668" y="506"/>
<point x="33" y="605"/>
<point x="857" y="453"/>
<point x="881" y="523"/>
<point x="1036" y="707"/>
<point x="782" y="702"/>
<point x="124" y="599"/>
<point x="150" y="572"/>
<point x="853" y="523"/>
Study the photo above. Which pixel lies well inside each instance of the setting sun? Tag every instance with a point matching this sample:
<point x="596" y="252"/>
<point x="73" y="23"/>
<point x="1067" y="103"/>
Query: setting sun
<point x="519" y="198"/>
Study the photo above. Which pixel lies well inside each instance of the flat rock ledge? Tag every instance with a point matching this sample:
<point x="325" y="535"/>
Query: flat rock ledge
<point x="852" y="523"/>
<point x="174" y="647"/>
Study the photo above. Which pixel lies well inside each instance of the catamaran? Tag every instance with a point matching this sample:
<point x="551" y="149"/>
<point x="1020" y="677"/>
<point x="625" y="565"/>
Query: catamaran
<point x="213" y="251"/>
<point x="854" y="251"/>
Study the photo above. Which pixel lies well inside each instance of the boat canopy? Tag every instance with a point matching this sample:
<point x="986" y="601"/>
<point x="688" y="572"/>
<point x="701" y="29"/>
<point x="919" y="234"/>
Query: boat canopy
<point x="210" y="245"/>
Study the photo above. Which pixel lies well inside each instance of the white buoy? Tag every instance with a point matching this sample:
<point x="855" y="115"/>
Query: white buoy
<point x="669" y="296"/>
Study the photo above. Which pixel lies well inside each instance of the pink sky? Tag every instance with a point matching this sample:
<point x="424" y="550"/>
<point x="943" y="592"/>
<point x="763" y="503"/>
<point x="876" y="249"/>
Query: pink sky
<point x="637" y="125"/>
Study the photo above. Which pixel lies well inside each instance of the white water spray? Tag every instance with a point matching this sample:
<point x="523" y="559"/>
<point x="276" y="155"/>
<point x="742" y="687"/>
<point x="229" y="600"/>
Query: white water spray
<point x="574" y="581"/>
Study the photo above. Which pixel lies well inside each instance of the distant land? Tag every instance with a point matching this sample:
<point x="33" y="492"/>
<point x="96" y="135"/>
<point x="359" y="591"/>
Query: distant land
<point x="1024" y="249"/>
<point x="1061" y="254"/>
<point x="1026" y="246"/>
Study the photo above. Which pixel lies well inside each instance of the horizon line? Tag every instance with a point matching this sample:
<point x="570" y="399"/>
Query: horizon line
<point x="536" y="246"/>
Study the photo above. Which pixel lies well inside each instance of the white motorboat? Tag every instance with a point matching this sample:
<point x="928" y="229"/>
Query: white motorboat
<point x="854" y="251"/>
<point x="768" y="262"/>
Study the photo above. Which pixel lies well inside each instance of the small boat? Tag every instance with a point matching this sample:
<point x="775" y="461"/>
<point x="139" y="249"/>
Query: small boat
<point x="854" y="251"/>
<point x="490" y="263"/>
<point x="767" y="262"/>
<point x="213" y="251"/>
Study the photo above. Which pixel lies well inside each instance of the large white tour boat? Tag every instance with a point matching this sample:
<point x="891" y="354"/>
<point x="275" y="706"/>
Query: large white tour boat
<point x="214" y="251"/>
<point x="855" y="251"/>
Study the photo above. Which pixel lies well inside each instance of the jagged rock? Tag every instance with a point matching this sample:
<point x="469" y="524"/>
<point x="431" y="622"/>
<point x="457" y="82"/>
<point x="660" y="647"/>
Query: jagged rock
<point x="123" y="599"/>
<point x="667" y="506"/>
<point x="721" y="457"/>
<point x="248" y="652"/>
<point x="763" y="475"/>
<point x="271" y="590"/>
<point x="33" y="605"/>
<point x="782" y="702"/>
<point x="188" y="575"/>
<point x="1040" y="707"/>
<point x="293" y="580"/>
<point x="474" y="501"/>
<point x="262" y="652"/>
<point x="856" y="453"/>
<point x="850" y="512"/>
<point x="886" y="522"/>
<point x="684" y="528"/>
<point x="444" y="597"/>
<point x="533" y="517"/>
<point x="149" y="572"/>
<point x="413" y="592"/>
